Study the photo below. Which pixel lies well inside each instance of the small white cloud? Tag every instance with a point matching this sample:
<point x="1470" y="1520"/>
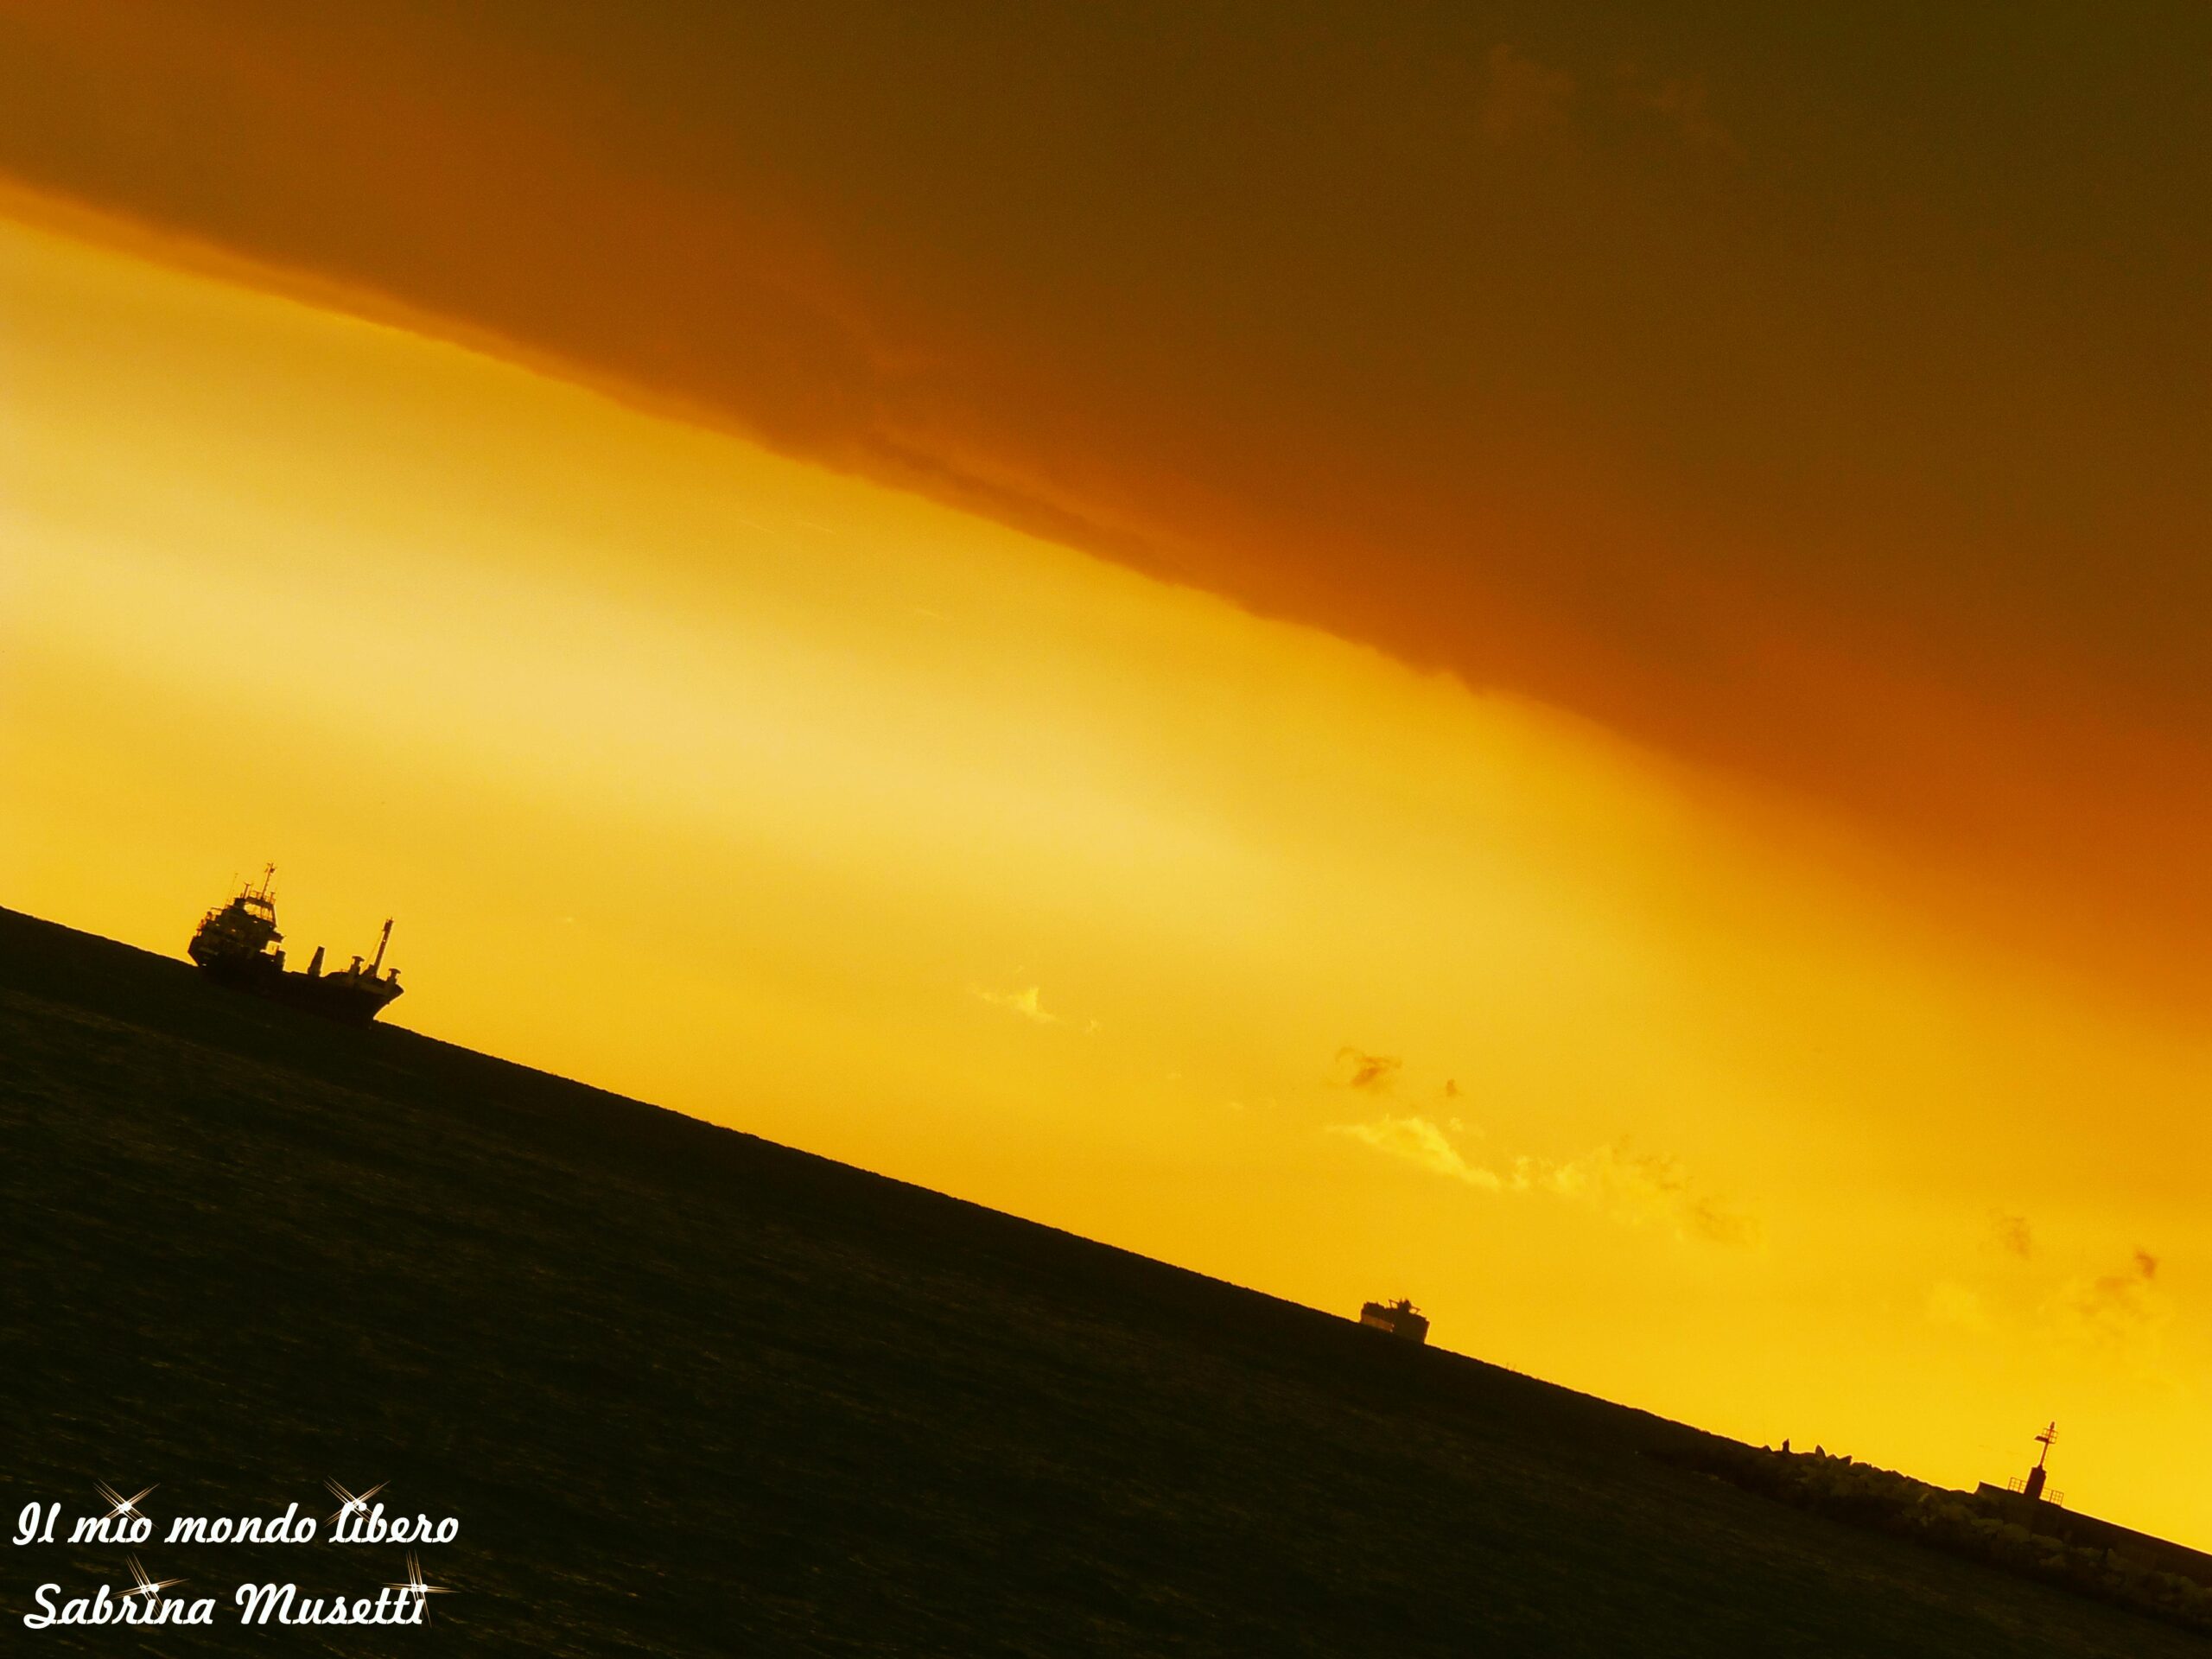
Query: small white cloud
<point x="1956" y="1304"/>
<point x="1029" y="1002"/>
<point x="1420" y="1141"/>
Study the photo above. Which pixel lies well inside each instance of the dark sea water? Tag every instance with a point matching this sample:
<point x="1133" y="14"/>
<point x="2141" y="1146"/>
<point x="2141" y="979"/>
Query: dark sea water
<point x="688" y="1392"/>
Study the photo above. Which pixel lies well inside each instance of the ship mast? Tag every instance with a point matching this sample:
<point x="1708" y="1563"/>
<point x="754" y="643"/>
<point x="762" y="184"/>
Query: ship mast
<point x="386" y="939"/>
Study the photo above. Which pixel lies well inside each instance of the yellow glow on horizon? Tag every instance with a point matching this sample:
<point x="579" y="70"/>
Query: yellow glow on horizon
<point x="843" y="818"/>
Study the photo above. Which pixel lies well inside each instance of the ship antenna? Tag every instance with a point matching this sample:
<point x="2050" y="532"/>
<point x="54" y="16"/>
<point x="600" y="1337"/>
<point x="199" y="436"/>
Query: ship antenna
<point x="381" y="942"/>
<point x="268" y="875"/>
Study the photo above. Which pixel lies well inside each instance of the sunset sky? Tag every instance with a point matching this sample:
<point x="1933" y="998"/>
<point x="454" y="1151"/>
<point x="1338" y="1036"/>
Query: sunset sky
<point x="1533" y="656"/>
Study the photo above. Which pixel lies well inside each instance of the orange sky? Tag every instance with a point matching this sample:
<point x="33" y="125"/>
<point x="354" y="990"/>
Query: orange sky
<point x="1816" y="398"/>
<point x="1024" y="687"/>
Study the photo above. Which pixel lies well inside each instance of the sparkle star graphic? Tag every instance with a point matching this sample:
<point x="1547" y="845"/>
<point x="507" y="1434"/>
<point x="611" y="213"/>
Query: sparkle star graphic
<point x="418" y="1587"/>
<point x="348" y="1503"/>
<point x="125" y="1508"/>
<point x="149" y="1588"/>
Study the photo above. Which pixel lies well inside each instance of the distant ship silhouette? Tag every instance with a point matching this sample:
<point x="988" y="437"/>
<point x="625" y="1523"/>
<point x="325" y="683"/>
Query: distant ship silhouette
<point x="238" y="945"/>
<point x="1401" y="1318"/>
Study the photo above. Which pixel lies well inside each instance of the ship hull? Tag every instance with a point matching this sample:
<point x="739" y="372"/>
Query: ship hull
<point x="334" y="996"/>
<point x="342" y="997"/>
<point x="238" y="946"/>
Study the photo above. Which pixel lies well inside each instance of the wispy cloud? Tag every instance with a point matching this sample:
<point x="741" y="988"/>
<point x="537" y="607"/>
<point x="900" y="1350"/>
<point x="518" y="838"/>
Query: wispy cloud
<point x="1635" y="1185"/>
<point x="1959" y="1305"/>
<point x="2118" y="1317"/>
<point x="1421" y="1141"/>
<point x="2122" y="1312"/>
<point x="1029" y="1002"/>
<point x="1356" y="1069"/>
<point x="1521" y="97"/>
<point x="1682" y="105"/>
<point x="1620" y="1180"/>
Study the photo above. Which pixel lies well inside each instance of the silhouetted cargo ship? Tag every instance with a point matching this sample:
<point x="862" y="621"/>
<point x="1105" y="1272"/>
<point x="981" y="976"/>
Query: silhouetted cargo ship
<point x="1399" y="1318"/>
<point x="238" y="945"/>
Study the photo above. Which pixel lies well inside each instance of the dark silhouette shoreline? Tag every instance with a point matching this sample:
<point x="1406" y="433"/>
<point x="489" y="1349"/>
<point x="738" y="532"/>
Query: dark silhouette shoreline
<point x="2005" y="1530"/>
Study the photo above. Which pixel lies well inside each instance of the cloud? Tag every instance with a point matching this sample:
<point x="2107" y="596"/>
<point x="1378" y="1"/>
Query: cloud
<point x="1622" y="1182"/>
<point x="1521" y="97"/>
<point x="1543" y="427"/>
<point x="1373" y="1072"/>
<point x="1682" y="104"/>
<point x="2117" y="1319"/>
<point x="1636" y="1186"/>
<point x="1954" y="1304"/>
<point x="2122" y="1313"/>
<point x="1029" y="1002"/>
<point x="1421" y="1141"/>
<point x="2011" y="1235"/>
